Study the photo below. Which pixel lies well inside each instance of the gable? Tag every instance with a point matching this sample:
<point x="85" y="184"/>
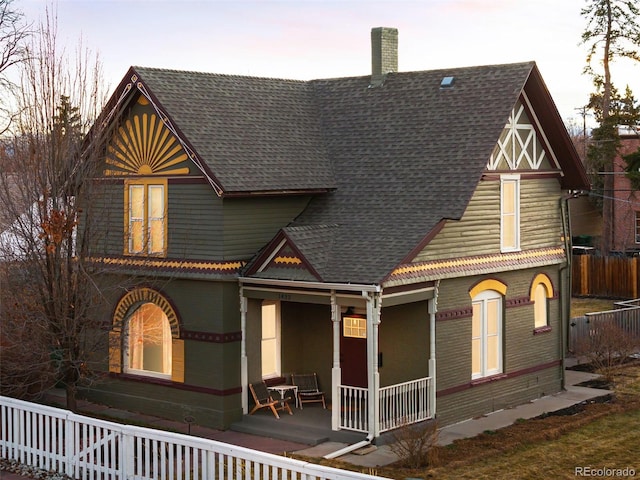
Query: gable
<point x="283" y="260"/>
<point x="142" y="144"/>
<point x="521" y="145"/>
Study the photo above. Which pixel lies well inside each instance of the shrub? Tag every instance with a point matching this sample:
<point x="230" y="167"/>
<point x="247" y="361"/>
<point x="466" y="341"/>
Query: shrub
<point x="607" y="347"/>
<point x="413" y="444"/>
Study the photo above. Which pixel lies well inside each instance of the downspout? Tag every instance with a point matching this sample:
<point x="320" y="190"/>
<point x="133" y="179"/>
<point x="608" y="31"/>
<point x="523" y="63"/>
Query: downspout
<point x="433" y="309"/>
<point x="565" y="278"/>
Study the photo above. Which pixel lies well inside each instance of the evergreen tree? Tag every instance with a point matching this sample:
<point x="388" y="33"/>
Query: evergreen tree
<point x="612" y="32"/>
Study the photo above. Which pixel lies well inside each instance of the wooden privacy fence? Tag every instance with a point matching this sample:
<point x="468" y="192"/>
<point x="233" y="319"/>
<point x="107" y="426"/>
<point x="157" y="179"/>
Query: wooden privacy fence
<point x="597" y="276"/>
<point x="57" y="440"/>
<point x="626" y="317"/>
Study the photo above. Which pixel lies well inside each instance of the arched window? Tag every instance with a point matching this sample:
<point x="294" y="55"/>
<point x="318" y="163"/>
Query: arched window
<point x="487" y="300"/>
<point x="541" y="292"/>
<point x="148" y="342"/>
<point x="145" y="337"/>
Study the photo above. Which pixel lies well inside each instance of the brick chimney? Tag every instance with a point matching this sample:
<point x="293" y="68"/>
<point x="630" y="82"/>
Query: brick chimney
<point x="384" y="54"/>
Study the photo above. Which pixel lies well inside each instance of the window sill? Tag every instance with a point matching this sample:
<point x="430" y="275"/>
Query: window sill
<point x="481" y="381"/>
<point x="539" y="330"/>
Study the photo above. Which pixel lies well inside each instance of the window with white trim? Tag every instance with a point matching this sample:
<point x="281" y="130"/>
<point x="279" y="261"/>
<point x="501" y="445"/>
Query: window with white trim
<point x="509" y="213"/>
<point x="270" y="339"/>
<point x="486" y="334"/>
<point x="145" y="217"/>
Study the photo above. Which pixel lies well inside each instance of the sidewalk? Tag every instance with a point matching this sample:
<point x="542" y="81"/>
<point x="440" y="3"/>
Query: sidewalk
<point x="372" y="456"/>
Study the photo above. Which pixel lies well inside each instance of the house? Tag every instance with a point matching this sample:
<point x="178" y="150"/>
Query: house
<point x="625" y="225"/>
<point x="402" y="235"/>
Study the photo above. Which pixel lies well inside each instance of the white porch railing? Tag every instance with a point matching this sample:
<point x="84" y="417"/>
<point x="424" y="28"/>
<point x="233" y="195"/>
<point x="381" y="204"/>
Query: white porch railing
<point x="85" y="448"/>
<point x="400" y="404"/>
<point x="404" y="404"/>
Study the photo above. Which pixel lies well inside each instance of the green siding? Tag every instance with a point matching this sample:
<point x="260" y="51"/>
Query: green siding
<point x="106" y="214"/>
<point x="404" y="343"/>
<point x="194" y="222"/>
<point x="211" y="366"/>
<point x="200" y="224"/>
<point x="522" y="349"/>
<point x="250" y="223"/>
<point x="478" y="231"/>
<point x="483" y="399"/>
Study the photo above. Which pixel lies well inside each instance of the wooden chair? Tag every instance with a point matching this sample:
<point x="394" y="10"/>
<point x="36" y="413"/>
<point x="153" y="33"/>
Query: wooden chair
<point x="263" y="399"/>
<point x="308" y="390"/>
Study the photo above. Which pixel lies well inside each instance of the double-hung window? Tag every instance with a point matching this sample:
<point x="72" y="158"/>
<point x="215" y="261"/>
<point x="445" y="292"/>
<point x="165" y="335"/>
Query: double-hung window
<point x="509" y="213"/>
<point x="486" y="334"/>
<point x="146" y="217"/>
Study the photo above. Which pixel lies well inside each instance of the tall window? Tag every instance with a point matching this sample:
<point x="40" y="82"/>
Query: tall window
<point x="148" y="342"/>
<point x="145" y="217"/>
<point x="486" y="334"/>
<point x="270" y="339"/>
<point x="145" y="337"/>
<point x="637" y="227"/>
<point x="509" y="213"/>
<point x="541" y="292"/>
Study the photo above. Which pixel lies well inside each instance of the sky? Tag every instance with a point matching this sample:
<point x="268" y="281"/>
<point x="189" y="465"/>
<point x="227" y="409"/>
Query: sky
<point x="311" y="39"/>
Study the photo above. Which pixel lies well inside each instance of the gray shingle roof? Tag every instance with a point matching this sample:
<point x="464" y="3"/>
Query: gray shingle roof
<point x="255" y="134"/>
<point x="405" y="156"/>
<point x="401" y="157"/>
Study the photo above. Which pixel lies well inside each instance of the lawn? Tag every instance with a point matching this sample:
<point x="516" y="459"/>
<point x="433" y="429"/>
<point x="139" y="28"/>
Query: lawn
<point x="602" y="435"/>
<point x="580" y="306"/>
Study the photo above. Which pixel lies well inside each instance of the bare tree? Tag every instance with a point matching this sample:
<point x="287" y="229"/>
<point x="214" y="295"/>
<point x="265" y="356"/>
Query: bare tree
<point x="51" y="301"/>
<point x="612" y="32"/>
<point x="13" y="35"/>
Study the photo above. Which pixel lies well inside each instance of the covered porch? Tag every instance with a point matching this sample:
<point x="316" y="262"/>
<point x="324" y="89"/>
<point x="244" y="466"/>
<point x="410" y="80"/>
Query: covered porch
<point x="335" y="331"/>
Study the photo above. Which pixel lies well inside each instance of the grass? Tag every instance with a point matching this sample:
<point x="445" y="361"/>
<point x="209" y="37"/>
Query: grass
<point x="580" y="306"/>
<point x="602" y="435"/>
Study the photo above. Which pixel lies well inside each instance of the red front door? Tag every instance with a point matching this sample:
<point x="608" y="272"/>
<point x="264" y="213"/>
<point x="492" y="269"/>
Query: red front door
<point x="353" y="351"/>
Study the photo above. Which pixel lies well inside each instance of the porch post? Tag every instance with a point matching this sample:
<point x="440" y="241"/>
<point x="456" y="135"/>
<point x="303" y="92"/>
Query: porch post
<point x="336" y="372"/>
<point x="373" y="321"/>
<point x="433" y="309"/>
<point x="244" y="373"/>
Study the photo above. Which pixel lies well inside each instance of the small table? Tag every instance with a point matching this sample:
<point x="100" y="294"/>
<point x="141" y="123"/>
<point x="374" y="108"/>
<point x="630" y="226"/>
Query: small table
<point x="282" y="389"/>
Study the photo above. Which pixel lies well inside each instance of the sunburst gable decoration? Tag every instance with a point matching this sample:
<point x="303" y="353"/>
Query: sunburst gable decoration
<point x="145" y="146"/>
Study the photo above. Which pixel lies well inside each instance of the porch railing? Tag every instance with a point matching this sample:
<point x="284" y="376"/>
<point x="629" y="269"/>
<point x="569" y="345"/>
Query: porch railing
<point x="85" y="448"/>
<point x="400" y="404"/>
<point x="404" y="404"/>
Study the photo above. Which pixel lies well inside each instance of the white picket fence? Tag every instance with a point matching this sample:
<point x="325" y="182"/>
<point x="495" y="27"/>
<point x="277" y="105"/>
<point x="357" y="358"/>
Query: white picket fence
<point x="85" y="448"/>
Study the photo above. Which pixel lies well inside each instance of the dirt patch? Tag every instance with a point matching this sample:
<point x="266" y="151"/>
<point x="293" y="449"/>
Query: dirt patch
<point x="596" y="383"/>
<point x="577" y="408"/>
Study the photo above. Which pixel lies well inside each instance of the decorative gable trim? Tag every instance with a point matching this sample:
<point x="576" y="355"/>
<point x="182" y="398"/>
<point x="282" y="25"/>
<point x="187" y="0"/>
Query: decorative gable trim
<point x="475" y="265"/>
<point x="135" y="82"/>
<point x="282" y="253"/>
<point x="168" y="265"/>
<point x="522" y="143"/>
